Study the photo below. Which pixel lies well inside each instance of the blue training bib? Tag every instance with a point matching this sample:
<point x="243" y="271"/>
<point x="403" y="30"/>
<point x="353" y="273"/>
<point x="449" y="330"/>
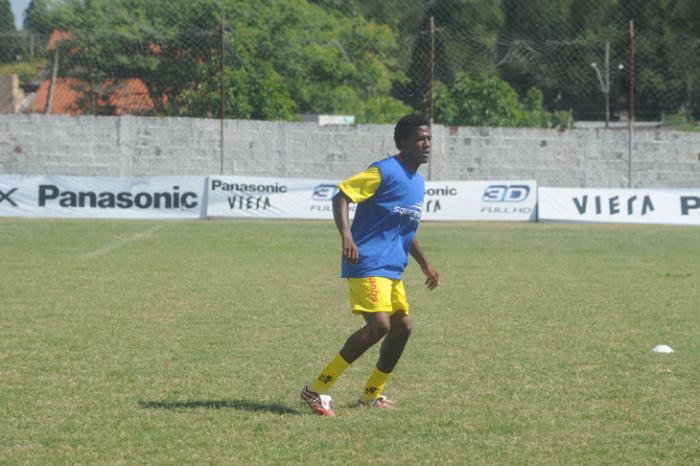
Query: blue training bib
<point x="385" y="225"/>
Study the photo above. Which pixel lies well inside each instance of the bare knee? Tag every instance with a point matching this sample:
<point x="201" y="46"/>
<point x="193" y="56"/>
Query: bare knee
<point x="379" y="329"/>
<point x="402" y="325"/>
<point x="379" y="326"/>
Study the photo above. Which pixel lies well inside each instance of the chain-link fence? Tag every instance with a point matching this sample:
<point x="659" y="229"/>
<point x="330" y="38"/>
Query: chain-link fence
<point x="459" y="60"/>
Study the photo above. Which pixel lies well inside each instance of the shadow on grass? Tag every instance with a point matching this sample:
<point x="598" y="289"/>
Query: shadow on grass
<point x="242" y="405"/>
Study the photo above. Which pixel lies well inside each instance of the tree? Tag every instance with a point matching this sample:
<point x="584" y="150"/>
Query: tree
<point x="251" y="93"/>
<point x="490" y="101"/>
<point x="667" y="68"/>
<point x="37" y="18"/>
<point x="8" y="40"/>
<point x="280" y="57"/>
<point x="297" y="57"/>
<point x="161" y="43"/>
<point x="529" y="51"/>
<point x="465" y="41"/>
<point x="330" y="63"/>
<point x="689" y="44"/>
<point x="594" y="24"/>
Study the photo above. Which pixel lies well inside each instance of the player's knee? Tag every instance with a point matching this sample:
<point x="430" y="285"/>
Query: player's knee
<point x="403" y="326"/>
<point x="380" y="328"/>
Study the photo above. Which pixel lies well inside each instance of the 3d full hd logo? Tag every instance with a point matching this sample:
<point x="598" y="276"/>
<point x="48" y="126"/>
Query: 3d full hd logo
<point x="506" y="193"/>
<point x="5" y="196"/>
<point x="324" y="192"/>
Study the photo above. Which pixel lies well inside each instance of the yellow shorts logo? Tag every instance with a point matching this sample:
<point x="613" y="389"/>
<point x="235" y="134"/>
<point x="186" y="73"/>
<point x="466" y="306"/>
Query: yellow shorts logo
<point x="373" y="291"/>
<point x="377" y="294"/>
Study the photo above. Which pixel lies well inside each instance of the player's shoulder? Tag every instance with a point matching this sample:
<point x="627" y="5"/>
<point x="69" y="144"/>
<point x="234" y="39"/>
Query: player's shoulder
<point x="388" y="160"/>
<point x="387" y="165"/>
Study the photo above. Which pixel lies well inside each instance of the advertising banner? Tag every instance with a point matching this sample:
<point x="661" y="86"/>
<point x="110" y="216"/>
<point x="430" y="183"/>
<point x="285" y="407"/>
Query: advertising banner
<point x="661" y="206"/>
<point x="513" y="200"/>
<point x="261" y="197"/>
<point x="163" y="197"/>
<point x="254" y="197"/>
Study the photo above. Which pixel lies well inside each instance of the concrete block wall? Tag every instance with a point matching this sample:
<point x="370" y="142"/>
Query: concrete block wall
<point x="571" y="158"/>
<point x="144" y="146"/>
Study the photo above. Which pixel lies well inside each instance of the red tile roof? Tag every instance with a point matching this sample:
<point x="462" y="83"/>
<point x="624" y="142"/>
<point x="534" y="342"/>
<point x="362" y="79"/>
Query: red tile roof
<point x="71" y="97"/>
<point x="58" y="36"/>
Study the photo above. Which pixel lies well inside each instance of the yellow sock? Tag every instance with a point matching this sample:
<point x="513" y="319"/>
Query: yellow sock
<point x="375" y="384"/>
<point x="329" y="375"/>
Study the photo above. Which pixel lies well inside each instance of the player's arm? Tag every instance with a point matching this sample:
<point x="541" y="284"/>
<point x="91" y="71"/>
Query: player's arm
<point x="342" y="220"/>
<point x="432" y="276"/>
<point x="358" y="188"/>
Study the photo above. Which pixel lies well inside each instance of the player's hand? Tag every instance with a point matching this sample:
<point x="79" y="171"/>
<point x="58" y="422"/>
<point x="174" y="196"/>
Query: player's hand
<point x="432" y="277"/>
<point x="350" y="251"/>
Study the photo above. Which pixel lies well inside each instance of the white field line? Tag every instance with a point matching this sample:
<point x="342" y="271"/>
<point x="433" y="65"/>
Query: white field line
<point x="117" y="243"/>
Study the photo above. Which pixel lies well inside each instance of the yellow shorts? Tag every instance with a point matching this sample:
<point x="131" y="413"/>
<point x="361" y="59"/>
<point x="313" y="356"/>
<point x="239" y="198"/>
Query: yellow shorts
<point x="377" y="294"/>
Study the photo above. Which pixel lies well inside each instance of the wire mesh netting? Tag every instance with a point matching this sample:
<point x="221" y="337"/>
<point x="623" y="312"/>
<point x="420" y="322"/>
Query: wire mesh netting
<point x="264" y="59"/>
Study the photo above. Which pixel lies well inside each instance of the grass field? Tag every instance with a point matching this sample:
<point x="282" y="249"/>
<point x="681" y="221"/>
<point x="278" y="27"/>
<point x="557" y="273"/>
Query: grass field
<point x="188" y="342"/>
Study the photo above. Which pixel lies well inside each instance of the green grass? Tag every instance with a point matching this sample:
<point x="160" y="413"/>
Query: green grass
<point x="188" y="342"/>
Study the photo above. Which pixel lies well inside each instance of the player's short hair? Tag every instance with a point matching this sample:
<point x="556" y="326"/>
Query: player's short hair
<point x="405" y="125"/>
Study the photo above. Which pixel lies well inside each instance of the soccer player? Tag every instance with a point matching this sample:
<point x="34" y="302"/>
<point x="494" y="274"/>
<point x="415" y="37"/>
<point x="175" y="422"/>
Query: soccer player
<point x="389" y="195"/>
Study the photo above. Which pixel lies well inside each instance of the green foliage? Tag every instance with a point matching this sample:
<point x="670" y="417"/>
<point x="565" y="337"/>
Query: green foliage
<point x="466" y="21"/>
<point x="490" y="101"/>
<point x="7" y="18"/>
<point x="8" y="41"/>
<point x="37" y="18"/>
<point x="680" y="118"/>
<point x="380" y="110"/>
<point x="682" y="121"/>
<point x="562" y="119"/>
<point x="280" y="58"/>
<point x="667" y="54"/>
<point x="152" y="41"/>
<point x="328" y="63"/>
<point x="259" y="94"/>
<point x="25" y="71"/>
<point x="335" y="56"/>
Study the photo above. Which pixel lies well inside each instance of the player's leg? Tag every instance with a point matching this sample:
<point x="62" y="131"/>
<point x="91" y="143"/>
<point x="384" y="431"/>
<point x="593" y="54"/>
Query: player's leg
<point x="389" y="355"/>
<point x="371" y="298"/>
<point x="377" y="325"/>
<point x="391" y="350"/>
<point x="395" y="342"/>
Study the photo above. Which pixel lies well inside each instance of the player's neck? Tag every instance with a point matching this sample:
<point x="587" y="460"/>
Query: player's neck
<point x="407" y="164"/>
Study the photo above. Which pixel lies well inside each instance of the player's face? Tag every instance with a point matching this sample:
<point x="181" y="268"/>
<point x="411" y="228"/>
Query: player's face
<point x="416" y="147"/>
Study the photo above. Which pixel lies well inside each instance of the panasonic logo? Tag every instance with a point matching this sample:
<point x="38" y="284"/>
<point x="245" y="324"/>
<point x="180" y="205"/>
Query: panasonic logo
<point x="173" y="199"/>
<point x="248" y="188"/>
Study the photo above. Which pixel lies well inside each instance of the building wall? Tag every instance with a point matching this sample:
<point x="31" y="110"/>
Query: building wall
<point x="11" y="95"/>
<point x="142" y="146"/>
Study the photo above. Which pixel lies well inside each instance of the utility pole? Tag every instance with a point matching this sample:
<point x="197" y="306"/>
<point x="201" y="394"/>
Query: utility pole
<point x="631" y="110"/>
<point x="604" y="81"/>
<point x="432" y="86"/>
<point x="607" y="83"/>
<point x="52" y="83"/>
<point x="222" y="96"/>
<point x="432" y="69"/>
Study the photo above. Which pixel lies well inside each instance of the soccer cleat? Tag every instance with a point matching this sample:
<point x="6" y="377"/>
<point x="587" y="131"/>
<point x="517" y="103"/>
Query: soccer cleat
<point x="319" y="403"/>
<point x="382" y="403"/>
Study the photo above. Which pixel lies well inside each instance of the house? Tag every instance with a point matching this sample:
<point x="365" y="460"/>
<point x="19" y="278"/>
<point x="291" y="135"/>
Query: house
<point x="72" y="96"/>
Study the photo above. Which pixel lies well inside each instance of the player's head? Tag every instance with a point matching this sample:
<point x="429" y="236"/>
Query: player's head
<point x="405" y="125"/>
<point x="413" y="138"/>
